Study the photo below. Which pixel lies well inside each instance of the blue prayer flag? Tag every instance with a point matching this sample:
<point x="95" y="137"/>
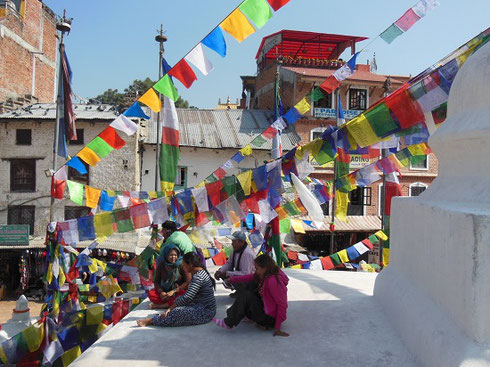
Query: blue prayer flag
<point x="352" y="62"/>
<point x="216" y="42"/>
<point x="260" y="177"/>
<point x="292" y="116"/>
<point x="135" y="111"/>
<point x="352" y="253"/>
<point x="391" y="33"/>
<point x="86" y="229"/>
<point x="77" y="164"/>
<point x="238" y="157"/>
<point x="106" y="201"/>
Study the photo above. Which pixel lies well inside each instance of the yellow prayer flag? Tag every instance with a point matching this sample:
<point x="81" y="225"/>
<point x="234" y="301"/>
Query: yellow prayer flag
<point x="297" y="226"/>
<point x="281" y="213"/>
<point x="342" y="205"/>
<point x="88" y="156"/>
<point x="206" y="253"/>
<point x="343" y="256"/>
<point x="303" y="106"/>
<point x="197" y="238"/>
<point x="296" y="267"/>
<point x="95" y="315"/>
<point x="61" y="277"/>
<point x="33" y="336"/>
<point x="101" y="328"/>
<point x="103" y="224"/>
<point x="151" y="99"/>
<point x="108" y="286"/>
<point x="167" y="187"/>
<point x="386" y="256"/>
<point x="361" y="130"/>
<point x="246" y="150"/>
<point x="3" y="356"/>
<point x="381" y="235"/>
<point x="245" y="179"/>
<point x="237" y="25"/>
<point x="91" y="196"/>
<point x="300" y="152"/>
<point x="70" y="355"/>
<point x="93" y="268"/>
<point x="111" y="192"/>
<point x="152" y="194"/>
<point x="49" y="273"/>
<point x="314" y="146"/>
<point x="417" y="149"/>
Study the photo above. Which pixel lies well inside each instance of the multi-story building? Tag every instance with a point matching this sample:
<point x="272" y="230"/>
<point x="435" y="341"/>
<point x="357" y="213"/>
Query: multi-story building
<point x="302" y="61"/>
<point x="27" y="53"/>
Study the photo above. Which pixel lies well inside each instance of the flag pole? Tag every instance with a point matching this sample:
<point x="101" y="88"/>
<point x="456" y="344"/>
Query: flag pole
<point x="334" y="198"/>
<point x="64" y="26"/>
<point x="160" y="38"/>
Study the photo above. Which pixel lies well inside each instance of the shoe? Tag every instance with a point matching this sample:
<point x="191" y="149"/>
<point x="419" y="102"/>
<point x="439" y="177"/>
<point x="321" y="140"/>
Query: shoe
<point x="233" y="295"/>
<point x="221" y="323"/>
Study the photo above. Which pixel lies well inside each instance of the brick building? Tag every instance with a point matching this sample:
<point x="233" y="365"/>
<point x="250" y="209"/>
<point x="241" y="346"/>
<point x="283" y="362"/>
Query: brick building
<point x="304" y="60"/>
<point x="28" y="43"/>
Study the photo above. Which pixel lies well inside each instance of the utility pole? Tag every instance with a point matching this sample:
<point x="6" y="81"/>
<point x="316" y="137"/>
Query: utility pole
<point x="64" y="26"/>
<point x="334" y="199"/>
<point x="276" y="140"/>
<point x="160" y="38"/>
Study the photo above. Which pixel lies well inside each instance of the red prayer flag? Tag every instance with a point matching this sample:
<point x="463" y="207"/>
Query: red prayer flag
<point x="407" y="20"/>
<point x="170" y="136"/>
<point x="57" y="188"/>
<point x="406" y="111"/>
<point x="330" y="84"/>
<point x="292" y="255"/>
<point x="184" y="73"/>
<point x="110" y="136"/>
<point x="219" y="173"/>
<point x="277" y="4"/>
<point x="220" y="259"/>
<point x="327" y="263"/>
<point x="368" y="243"/>
<point x="269" y="133"/>
<point x="392" y="189"/>
<point x="213" y="190"/>
<point x="343" y="156"/>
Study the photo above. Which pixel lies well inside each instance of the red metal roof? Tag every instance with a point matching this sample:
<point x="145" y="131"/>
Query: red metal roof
<point x="306" y="44"/>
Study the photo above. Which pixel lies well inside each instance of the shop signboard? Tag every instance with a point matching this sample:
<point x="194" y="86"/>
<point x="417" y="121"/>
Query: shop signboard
<point x="15" y="234"/>
<point x="332" y="112"/>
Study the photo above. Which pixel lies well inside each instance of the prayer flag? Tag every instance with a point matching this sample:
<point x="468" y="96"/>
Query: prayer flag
<point x="247" y="150"/>
<point x="259" y="141"/>
<point x="100" y="147"/>
<point x="237" y="157"/>
<point x="297" y="225"/>
<point x="139" y="214"/>
<point x="33" y="336"/>
<point x="103" y="224"/>
<point x="245" y="179"/>
<point x="362" y="131"/>
<point x="422" y="7"/>
<point x="391" y="190"/>
<point x="77" y="164"/>
<point x="201" y="198"/>
<point x="277" y="4"/>
<point x="407" y="20"/>
<point x="352" y="253"/>
<point x="86" y="230"/>
<point x="381" y="235"/>
<point x="325" y="154"/>
<point x="260" y="177"/>
<point x="361" y="248"/>
<point x="216" y="42"/>
<point x="125" y="125"/>
<point x="380" y="119"/>
<point x="303" y="106"/>
<point x="392" y="32"/>
<point x="88" y="156"/>
<point x="285" y="226"/>
<point x="69" y="230"/>
<point x="57" y="188"/>
<point x="335" y="259"/>
<point x="136" y="111"/>
<point x="184" y="73"/>
<point x="237" y="25"/>
<point x="106" y="201"/>
<point x="292" y="116"/>
<point x="406" y="111"/>
<point x="257" y="10"/>
<point x="76" y="191"/>
<point x="151" y="99"/>
<point x="269" y="133"/>
<point x="266" y="211"/>
<point x="220" y="259"/>
<point x="330" y="84"/>
<point x="167" y="88"/>
<point x="199" y="60"/>
<point x="110" y="136"/>
<point x="343" y="256"/>
<point x="342" y="205"/>
<point x="122" y="218"/>
<point x="158" y="210"/>
<point x="91" y="196"/>
<point x="169" y="154"/>
<point x="368" y="244"/>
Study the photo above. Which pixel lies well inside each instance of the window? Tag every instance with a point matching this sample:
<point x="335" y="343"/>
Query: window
<point x="73" y="212"/>
<point x="326" y="207"/>
<point x="381" y="197"/>
<point x="22" y="214"/>
<point x="419" y="163"/>
<point x="357" y="99"/>
<point x="79" y="141"/>
<point x="356" y="205"/>
<point x="74" y="175"/>
<point x="23" y="175"/>
<point x="181" y="179"/>
<point x="417" y="188"/>
<point x="23" y="136"/>
<point x="325" y="101"/>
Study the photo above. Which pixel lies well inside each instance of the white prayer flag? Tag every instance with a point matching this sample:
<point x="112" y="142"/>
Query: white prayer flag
<point x="201" y="198"/>
<point x="316" y="265"/>
<point x="369" y="174"/>
<point x="122" y="123"/>
<point x="343" y="73"/>
<point x="199" y="60"/>
<point x="70" y="231"/>
<point x="170" y="118"/>
<point x="361" y="248"/>
<point x="266" y="211"/>
<point x="123" y="200"/>
<point x="158" y="210"/>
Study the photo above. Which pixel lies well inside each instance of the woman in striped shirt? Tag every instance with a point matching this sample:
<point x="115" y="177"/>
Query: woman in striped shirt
<point x="197" y="306"/>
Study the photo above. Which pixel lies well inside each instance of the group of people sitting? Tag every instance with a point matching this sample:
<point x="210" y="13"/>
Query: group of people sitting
<point x="184" y="287"/>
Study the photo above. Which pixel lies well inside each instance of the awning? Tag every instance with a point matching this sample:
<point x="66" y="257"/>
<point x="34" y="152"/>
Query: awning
<point x="354" y="223"/>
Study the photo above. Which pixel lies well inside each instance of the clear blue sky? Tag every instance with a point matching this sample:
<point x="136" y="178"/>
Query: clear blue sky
<point x="112" y="42"/>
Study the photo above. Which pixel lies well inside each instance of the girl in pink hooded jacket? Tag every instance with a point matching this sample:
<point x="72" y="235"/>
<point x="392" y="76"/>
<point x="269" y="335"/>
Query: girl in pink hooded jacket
<point x="263" y="297"/>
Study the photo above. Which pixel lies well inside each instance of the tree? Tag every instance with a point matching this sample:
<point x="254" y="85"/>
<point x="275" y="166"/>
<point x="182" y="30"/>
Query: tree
<point x="124" y="100"/>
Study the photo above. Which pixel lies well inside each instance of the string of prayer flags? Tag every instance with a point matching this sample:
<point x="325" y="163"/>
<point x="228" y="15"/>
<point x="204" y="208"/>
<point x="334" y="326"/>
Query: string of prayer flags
<point x="257" y="10"/>
<point x="216" y="42"/>
<point x="237" y="25"/>
<point x="150" y="98"/>
<point x="167" y="88"/>
<point x="184" y="73"/>
<point x="136" y="111"/>
<point x="199" y="60"/>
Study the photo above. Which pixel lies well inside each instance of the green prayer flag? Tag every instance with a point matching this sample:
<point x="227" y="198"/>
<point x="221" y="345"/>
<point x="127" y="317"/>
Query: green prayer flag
<point x="228" y="250"/>
<point x="259" y="141"/>
<point x="123" y="221"/>
<point x="258" y="11"/>
<point x="229" y="185"/>
<point x="99" y="146"/>
<point x="417" y="159"/>
<point x="76" y="191"/>
<point x="285" y="226"/>
<point x="335" y="259"/>
<point x="373" y="239"/>
<point x="325" y="154"/>
<point x="167" y="88"/>
<point x="315" y="95"/>
<point x="380" y="120"/>
<point x="291" y="208"/>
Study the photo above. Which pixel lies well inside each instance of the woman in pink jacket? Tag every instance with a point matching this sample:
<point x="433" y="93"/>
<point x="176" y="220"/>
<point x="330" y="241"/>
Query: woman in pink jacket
<point x="264" y="300"/>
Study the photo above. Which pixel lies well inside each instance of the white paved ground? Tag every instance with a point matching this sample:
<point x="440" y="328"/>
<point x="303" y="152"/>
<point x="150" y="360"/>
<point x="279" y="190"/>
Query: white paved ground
<point x="333" y="320"/>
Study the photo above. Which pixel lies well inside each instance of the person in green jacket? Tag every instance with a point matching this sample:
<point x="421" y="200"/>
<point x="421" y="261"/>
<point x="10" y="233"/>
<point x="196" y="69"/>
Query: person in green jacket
<point x="172" y="235"/>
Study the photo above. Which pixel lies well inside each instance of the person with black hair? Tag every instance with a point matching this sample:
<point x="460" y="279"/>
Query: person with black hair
<point x="264" y="298"/>
<point x="171" y="234"/>
<point x="196" y="306"/>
